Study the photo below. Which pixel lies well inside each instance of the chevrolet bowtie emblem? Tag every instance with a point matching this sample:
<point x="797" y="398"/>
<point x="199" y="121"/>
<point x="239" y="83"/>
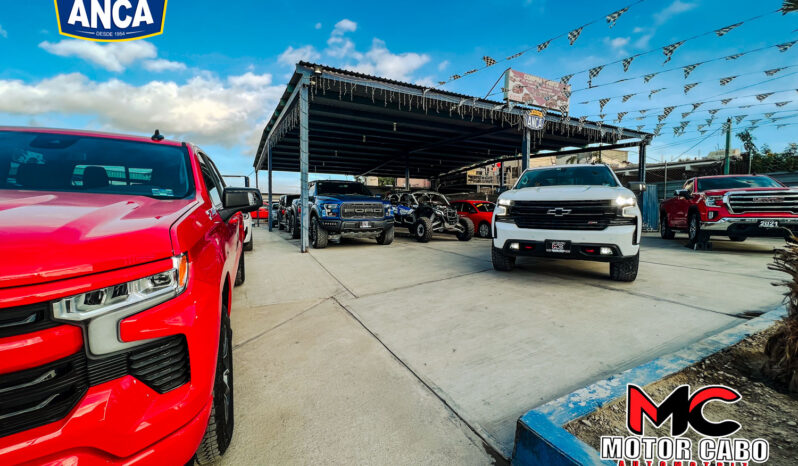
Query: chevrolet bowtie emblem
<point x="559" y="212"/>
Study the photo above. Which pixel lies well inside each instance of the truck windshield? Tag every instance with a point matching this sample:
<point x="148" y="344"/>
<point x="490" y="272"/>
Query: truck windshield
<point x="735" y="182"/>
<point x="598" y="175"/>
<point x="40" y="161"/>
<point x="341" y="187"/>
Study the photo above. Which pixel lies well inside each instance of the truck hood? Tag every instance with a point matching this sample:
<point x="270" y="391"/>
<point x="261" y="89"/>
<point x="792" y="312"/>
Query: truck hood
<point x="348" y="198"/>
<point x="566" y="193"/>
<point x="47" y="236"/>
<point x="720" y="192"/>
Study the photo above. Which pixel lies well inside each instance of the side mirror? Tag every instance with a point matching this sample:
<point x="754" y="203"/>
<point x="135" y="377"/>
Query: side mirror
<point x="637" y="187"/>
<point x="240" y="200"/>
<point x="682" y="193"/>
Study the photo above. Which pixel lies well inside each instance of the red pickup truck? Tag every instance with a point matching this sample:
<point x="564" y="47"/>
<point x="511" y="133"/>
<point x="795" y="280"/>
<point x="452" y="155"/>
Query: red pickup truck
<point x="119" y="257"/>
<point x="737" y="206"/>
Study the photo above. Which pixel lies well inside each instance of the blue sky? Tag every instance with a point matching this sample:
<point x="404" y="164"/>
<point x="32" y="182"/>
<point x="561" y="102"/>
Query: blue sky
<point x="216" y="73"/>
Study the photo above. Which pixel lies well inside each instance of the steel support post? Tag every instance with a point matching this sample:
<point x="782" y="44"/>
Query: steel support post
<point x="641" y="165"/>
<point x="303" y="164"/>
<point x="525" y="150"/>
<point x="269" y="207"/>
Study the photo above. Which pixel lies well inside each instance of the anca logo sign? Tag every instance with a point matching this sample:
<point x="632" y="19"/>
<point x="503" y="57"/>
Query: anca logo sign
<point x="683" y="408"/>
<point x="110" y="20"/>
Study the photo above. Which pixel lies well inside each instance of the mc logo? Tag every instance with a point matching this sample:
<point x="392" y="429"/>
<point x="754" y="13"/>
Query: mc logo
<point x="110" y="20"/>
<point x="683" y="409"/>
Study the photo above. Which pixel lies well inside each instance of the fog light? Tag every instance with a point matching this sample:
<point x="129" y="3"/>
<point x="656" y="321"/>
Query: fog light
<point x="712" y="215"/>
<point x="605" y="251"/>
<point x="514" y="246"/>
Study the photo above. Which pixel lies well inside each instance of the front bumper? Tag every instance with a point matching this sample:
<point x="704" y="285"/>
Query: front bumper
<point x="623" y="239"/>
<point x="355" y="228"/>
<point x="749" y="226"/>
<point x="119" y="418"/>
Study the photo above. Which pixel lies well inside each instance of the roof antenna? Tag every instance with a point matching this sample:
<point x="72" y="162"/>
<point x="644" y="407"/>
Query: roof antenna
<point x="157" y="136"/>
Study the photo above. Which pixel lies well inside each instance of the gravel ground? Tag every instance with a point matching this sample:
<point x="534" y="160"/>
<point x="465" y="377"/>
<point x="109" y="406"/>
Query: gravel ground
<point x="765" y="411"/>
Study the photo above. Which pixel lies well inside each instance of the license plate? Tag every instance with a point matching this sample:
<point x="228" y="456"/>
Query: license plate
<point x="365" y="224"/>
<point x="558" y="247"/>
<point x="768" y="224"/>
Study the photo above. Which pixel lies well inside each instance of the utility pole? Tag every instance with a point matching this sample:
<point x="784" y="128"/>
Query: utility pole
<point x="728" y="147"/>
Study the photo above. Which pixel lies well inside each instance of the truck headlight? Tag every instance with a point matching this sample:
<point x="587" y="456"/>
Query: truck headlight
<point x="713" y="201"/>
<point x="625" y="201"/>
<point x="629" y="211"/>
<point x="102" y="309"/>
<point x="500" y="211"/>
<point x="389" y="211"/>
<point x="330" y="210"/>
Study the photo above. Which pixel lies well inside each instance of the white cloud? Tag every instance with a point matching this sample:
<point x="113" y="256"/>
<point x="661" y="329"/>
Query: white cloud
<point x="113" y="57"/>
<point x="443" y="65"/>
<point x="3" y="32"/>
<point x="618" y="42"/>
<point x="381" y="62"/>
<point x="160" y="65"/>
<point x="291" y="55"/>
<point x="344" y="26"/>
<point x="672" y="10"/>
<point x="318" y="26"/>
<point x="205" y="109"/>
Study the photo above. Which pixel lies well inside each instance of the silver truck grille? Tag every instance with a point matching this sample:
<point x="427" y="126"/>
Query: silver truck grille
<point x="368" y="210"/>
<point x="763" y="202"/>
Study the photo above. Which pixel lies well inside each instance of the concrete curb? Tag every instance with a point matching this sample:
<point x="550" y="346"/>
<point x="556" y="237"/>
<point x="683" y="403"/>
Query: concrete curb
<point x="540" y="438"/>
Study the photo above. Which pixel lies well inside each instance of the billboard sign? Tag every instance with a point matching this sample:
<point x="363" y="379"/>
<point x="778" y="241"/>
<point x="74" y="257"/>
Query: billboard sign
<point x="534" y="120"/>
<point x="111" y="20"/>
<point x="534" y="90"/>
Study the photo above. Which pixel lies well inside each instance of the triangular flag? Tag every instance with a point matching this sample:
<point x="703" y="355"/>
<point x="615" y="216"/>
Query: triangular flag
<point x="455" y="76"/>
<point x="764" y="96"/>
<point x="723" y="31"/>
<point x="582" y="121"/>
<point x="621" y="115"/>
<point x="643" y="112"/>
<point x="573" y="35"/>
<point x="684" y="114"/>
<point x="640" y="127"/>
<point x="655" y="91"/>
<point x="781" y="104"/>
<point x="769" y="114"/>
<point x="515" y="55"/>
<point x="687" y="87"/>
<point x="774" y="71"/>
<point x="726" y="101"/>
<point x="566" y="78"/>
<point x="669" y="49"/>
<point x="627" y="62"/>
<point x="602" y="103"/>
<point x="696" y="105"/>
<point x="648" y="77"/>
<point x="627" y="97"/>
<point x="786" y="46"/>
<point x="665" y="112"/>
<point x="735" y="56"/>
<point x="689" y="69"/>
<point x="739" y="118"/>
<point x="726" y="80"/>
<point x="542" y="47"/>
<point x="488" y="61"/>
<point x="470" y="72"/>
<point x="713" y="111"/>
<point x="612" y="17"/>
<point x="754" y="122"/>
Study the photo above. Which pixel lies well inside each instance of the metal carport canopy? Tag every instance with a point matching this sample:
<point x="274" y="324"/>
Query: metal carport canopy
<point x="356" y="124"/>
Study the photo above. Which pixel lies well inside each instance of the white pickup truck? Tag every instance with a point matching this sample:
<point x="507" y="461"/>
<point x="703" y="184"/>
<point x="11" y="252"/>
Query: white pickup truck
<point x="569" y="212"/>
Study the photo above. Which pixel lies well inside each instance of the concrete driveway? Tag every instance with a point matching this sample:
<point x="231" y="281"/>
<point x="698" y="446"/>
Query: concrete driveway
<point x="421" y="353"/>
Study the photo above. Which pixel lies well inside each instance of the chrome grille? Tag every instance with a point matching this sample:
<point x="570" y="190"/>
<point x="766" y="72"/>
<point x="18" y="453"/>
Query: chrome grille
<point x="763" y="202"/>
<point x="368" y="210"/>
<point x="567" y="215"/>
<point x="25" y="319"/>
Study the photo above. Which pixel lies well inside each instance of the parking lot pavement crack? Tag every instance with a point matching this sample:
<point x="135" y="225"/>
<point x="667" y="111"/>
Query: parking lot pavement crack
<point x="706" y="270"/>
<point x="255" y="337"/>
<point x="352" y="293"/>
<point x="498" y="457"/>
<point x="437" y="280"/>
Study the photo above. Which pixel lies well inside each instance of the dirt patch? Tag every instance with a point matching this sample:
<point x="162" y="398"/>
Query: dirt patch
<point x="765" y="411"/>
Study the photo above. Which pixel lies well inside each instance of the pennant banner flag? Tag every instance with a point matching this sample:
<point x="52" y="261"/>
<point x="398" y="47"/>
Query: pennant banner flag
<point x="781" y="104"/>
<point x="746" y="106"/>
<point x="726" y="101"/>
<point x="640" y="127"/>
<point x="762" y="97"/>
<point x="470" y="72"/>
<point x="573" y="35"/>
<point x="687" y="87"/>
<point x="710" y="120"/>
<point x="455" y="76"/>
<point x="488" y="61"/>
<point x="739" y="118"/>
<point x="774" y="71"/>
<point x="713" y="111"/>
<point x="613" y="17"/>
<point x="566" y="78"/>
<point x="627" y="62"/>
<point x="786" y="46"/>
<point x="582" y="121"/>
<point x="592" y="73"/>
<point x="770" y="114"/>
<point x="643" y="112"/>
<point x="754" y="122"/>
<point x="623" y="114"/>
<point x="648" y="77"/>
<point x="780" y="126"/>
<point x="684" y="114"/>
<point x="542" y="47"/>
<point x="441" y="83"/>
<point x="696" y="105"/>
<point x="723" y="31"/>
<point x="665" y="112"/>
<point x="669" y="49"/>
<point x="603" y="102"/>
<point x="735" y="56"/>
<point x="655" y="91"/>
<point x="700" y="127"/>
<point x="726" y="80"/>
<point x="627" y="97"/>
<point x="515" y="55"/>
<point x="689" y="69"/>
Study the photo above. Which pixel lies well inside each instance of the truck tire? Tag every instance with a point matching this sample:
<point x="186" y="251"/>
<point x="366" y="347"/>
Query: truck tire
<point x="281" y="224"/>
<point x="295" y="227"/>
<point x="318" y="235"/>
<point x="422" y="230"/>
<point x="484" y="230"/>
<point x="386" y="237"/>
<point x="625" y="270"/>
<point x="694" y="234"/>
<point x="738" y="238"/>
<point x="665" y="231"/>
<point x="219" y="430"/>
<point x="249" y="245"/>
<point x="501" y="261"/>
<point x="468" y="229"/>
<point x="241" y="272"/>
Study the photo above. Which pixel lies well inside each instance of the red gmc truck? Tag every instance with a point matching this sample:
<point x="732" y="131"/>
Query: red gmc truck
<point x="118" y="257"/>
<point x="737" y="206"/>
